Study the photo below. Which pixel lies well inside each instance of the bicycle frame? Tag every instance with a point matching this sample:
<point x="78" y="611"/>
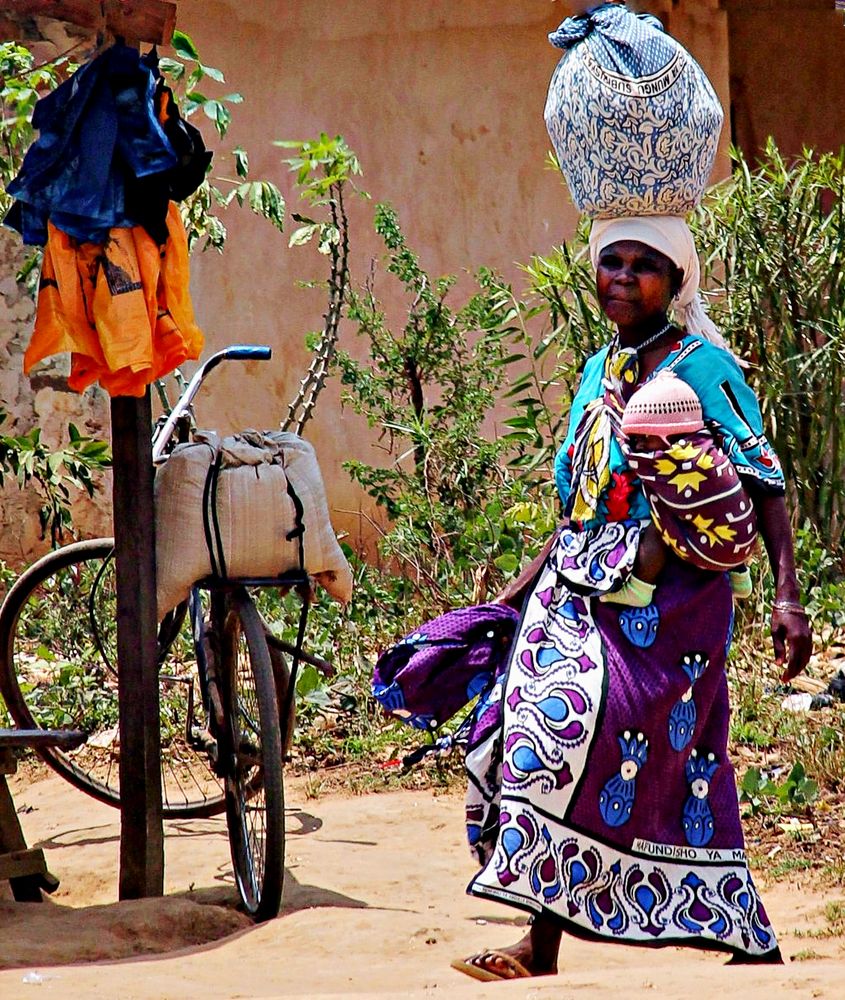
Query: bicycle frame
<point x="295" y="580"/>
<point x="246" y="687"/>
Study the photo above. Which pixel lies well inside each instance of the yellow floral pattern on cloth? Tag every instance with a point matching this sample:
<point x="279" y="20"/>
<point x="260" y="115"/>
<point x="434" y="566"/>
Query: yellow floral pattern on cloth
<point x="698" y="502"/>
<point x="685" y="466"/>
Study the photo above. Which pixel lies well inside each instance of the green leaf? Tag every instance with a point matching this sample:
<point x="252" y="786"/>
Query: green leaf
<point x="309" y="680"/>
<point x="303" y="235"/>
<point x="219" y="114"/>
<point x="184" y="46"/>
<point x="329" y="237"/>
<point x="507" y="563"/>
<point x="196" y="75"/>
<point x="751" y="781"/>
<point x="214" y="74"/>
<point x="809" y="790"/>
<point x="241" y="161"/>
<point x="797" y="774"/>
<point x="172" y="68"/>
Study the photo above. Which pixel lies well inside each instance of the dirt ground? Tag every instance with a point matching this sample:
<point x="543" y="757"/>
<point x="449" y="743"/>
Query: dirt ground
<point x="374" y="907"/>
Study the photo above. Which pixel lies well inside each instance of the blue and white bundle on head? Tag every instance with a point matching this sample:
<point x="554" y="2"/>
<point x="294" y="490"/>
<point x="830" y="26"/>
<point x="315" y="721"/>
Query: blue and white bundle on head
<point x="634" y="121"/>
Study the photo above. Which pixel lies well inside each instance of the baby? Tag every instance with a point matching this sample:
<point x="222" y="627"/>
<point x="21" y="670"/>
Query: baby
<point x="699" y="507"/>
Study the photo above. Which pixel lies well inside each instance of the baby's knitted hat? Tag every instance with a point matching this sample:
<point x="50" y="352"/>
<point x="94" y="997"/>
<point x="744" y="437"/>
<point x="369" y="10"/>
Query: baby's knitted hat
<point x="664" y="406"/>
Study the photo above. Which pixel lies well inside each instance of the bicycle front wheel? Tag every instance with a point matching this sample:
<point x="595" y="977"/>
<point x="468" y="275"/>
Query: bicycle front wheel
<point x="58" y="667"/>
<point x="253" y="778"/>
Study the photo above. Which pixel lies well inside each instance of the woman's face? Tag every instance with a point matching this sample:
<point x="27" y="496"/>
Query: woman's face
<point x="635" y="283"/>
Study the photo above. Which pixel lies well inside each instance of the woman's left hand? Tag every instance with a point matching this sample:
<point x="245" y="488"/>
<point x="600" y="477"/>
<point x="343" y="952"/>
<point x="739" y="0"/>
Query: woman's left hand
<point x="792" y="638"/>
<point x="791" y="632"/>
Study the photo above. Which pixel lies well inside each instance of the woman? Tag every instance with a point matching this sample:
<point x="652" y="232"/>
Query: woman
<point x="605" y="803"/>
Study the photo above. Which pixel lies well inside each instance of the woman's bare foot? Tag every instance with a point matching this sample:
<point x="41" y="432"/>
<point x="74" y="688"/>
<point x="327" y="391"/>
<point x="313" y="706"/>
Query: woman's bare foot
<point x="533" y="955"/>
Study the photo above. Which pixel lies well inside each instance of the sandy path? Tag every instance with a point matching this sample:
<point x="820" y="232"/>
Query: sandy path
<point x="374" y="907"/>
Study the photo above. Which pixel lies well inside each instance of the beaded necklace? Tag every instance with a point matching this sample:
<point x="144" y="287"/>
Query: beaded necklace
<point x="653" y="337"/>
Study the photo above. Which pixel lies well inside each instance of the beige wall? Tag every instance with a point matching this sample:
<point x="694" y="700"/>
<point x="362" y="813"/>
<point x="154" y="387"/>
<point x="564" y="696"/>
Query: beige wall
<point x="443" y="102"/>
<point x="787" y="74"/>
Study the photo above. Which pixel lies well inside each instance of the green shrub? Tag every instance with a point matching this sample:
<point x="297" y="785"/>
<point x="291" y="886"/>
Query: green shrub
<point x="773" y="242"/>
<point x="429" y="387"/>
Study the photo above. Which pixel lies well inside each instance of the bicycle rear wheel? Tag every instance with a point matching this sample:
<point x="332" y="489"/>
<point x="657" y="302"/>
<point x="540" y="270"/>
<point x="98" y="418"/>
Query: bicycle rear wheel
<point x="58" y="667"/>
<point x="254" y="784"/>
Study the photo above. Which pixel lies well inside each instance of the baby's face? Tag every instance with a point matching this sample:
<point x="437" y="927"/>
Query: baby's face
<point x="646" y="442"/>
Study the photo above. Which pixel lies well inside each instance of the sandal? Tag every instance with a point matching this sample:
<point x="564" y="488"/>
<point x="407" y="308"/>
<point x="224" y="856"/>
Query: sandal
<point x="478" y="966"/>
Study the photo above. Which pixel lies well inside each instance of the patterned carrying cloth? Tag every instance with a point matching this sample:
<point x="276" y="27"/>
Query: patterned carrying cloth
<point x="634" y="121"/>
<point x="605" y="796"/>
<point x="695" y="495"/>
<point x="730" y="409"/>
<point x="698" y="502"/>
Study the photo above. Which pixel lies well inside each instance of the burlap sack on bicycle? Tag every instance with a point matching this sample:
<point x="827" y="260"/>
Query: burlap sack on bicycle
<point x="254" y="512"/>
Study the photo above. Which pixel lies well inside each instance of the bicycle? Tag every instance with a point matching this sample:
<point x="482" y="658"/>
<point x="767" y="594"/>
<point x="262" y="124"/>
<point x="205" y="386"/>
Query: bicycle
<point x="226" y="691"/>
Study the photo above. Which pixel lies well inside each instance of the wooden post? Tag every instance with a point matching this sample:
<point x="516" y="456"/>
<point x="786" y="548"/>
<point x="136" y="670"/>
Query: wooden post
<point x="141" y="834"/>
<point x="146" y="20"/>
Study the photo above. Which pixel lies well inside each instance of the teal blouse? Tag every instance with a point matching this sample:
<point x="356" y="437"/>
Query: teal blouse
<point x="730" y="409"/>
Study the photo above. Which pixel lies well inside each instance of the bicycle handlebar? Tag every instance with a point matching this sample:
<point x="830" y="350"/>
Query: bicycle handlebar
<point x="248" y="352"/>
<point x="237" y="352"/>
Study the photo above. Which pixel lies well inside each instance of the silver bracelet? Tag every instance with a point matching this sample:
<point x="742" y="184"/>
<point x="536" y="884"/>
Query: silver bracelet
<point x="792" y="607"/>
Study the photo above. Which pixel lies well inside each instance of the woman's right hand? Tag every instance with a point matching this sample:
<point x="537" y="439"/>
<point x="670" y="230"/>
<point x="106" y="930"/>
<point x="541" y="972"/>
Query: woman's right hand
<point x="792" y="637"/>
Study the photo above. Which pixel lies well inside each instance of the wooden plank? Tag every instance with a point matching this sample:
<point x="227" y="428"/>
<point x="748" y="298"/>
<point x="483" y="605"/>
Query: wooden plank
<point x="10" y="30"/>
<point x="776" y="6"/>
<point x="67" y="739"/>
<point x="142" y="839"/>
<point x="141" y="20"/>
<point x="135" y="20"/>
<point x="83" y="13"/>
<point x="8" y="762"/>
<point x="11" y="834"/>
<point x="17" y="864"/>
<point x="141" y="834"/>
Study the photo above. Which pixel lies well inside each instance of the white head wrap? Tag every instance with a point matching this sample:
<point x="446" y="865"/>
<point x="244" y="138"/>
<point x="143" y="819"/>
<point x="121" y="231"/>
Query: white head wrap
<point x="671" y="236"/>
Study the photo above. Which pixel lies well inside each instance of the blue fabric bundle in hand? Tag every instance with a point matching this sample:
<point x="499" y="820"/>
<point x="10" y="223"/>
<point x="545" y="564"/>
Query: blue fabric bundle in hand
<point x="437" y="669"/>
<point x="634" y="121"/>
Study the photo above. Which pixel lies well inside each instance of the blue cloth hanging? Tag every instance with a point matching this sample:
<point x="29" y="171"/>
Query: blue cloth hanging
<point x="103" y="159"/>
